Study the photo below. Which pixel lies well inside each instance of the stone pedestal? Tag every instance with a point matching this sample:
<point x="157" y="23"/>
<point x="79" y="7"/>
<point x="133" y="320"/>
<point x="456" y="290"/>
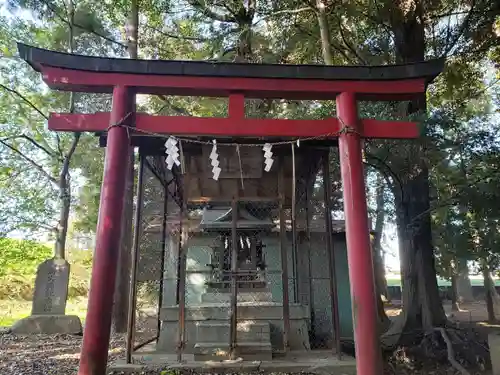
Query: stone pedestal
<point x="48" y="324"/>
<point x="216" y="314"/>
<point x="253" y="341"/>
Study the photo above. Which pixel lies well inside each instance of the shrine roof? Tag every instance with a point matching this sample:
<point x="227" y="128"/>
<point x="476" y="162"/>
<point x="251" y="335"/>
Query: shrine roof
<point x="59" y="73"/>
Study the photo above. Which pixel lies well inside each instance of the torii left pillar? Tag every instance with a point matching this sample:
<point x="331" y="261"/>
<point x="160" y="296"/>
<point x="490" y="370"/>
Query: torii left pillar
<point x="96" y="333"/>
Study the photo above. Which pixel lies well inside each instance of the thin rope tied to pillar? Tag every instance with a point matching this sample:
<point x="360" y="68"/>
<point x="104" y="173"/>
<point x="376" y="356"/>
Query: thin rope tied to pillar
<point x="346" y="129"/>
<point x="232" y="144"/>
<point x="121" y="123"/>
<point x="241" y="167"/>
<point x="183" y="162"/>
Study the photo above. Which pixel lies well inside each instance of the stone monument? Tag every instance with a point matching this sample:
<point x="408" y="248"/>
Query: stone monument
<point x="49" y="302"/>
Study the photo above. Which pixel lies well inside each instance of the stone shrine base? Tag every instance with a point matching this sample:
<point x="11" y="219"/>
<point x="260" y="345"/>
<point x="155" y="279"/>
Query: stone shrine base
<point x="48" y="324"/>
<point x="259" y="330"/>
<point x="311" y="362"/>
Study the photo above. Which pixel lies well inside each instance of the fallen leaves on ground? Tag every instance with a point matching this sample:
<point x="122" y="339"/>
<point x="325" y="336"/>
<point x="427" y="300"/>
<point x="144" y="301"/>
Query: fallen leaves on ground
<point x="45" y="354"/>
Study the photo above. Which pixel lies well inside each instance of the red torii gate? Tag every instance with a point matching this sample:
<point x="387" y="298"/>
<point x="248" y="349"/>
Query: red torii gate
<point x="125" y="78"/>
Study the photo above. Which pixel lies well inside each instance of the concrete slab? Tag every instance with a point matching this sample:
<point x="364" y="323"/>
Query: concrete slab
<point x="249" y="351"/>
<point x="48" y="324"/>
<point x="313" y="362"/>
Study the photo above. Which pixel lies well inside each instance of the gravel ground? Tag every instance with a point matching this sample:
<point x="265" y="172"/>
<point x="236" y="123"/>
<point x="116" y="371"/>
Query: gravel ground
<point x="59" y="355"/>
<point x="52" y="354"/>
<point x="45" y="354"/>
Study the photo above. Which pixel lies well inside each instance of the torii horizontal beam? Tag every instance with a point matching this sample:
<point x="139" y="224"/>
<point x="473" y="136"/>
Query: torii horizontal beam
<point x="232" y="127"/>
<point x="70" y="72"/>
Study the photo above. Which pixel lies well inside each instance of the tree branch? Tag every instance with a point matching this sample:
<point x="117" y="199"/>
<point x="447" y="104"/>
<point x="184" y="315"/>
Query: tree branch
<point x="284" y="11"/>
<point x="450" y="201"/>
<point x="461" y="30"/>
<point x="252" y="5"/>
<point x="207" y="12"/>
<point x="174" y="36"/>
<point x="177" y="109"/>
<point x="17" y="93"/>
<point x="70" y="24"/>
<point x="32" y="141"/>
<point x="29" y="160"/>
<point x="348" y="45"/>
<point x="386" y="166"/>
<point x="333" y="45"/>
<point x="443" y="15"/>
<point x="69" y="155"/>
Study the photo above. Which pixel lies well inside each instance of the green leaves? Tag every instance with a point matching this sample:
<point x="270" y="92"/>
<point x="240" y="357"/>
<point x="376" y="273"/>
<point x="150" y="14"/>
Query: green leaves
<point x="21" y="257"/>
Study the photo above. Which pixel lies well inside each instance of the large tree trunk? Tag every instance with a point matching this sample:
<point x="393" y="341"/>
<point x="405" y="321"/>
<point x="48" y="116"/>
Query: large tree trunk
<point x="422" y="307"/>
<point x="464" y="287"/>
<point x="377" y="241"/>
<point x="121" y="299"/>
<point x="454" y="294"/>
<point x="489" y="294"/>
<point x="378" y="257"/>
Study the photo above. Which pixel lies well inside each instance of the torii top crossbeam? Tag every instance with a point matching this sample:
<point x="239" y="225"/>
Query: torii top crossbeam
<point x="125" y="78"/>
<point x="68" y="72"/>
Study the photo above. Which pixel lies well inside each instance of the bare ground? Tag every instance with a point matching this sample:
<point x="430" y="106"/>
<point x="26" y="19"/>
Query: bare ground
<point x="59" y="354"/>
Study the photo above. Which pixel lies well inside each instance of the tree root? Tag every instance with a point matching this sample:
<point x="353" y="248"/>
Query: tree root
<point x="451" y="353"/>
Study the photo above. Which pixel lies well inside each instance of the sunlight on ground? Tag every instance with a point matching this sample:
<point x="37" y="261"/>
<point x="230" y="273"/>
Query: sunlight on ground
<point x="474" y="312"/>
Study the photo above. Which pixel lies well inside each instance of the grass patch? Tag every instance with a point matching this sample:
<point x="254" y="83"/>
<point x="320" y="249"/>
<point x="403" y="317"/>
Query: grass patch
<point x="19" y="260"/>
<point x="12" y="310"/>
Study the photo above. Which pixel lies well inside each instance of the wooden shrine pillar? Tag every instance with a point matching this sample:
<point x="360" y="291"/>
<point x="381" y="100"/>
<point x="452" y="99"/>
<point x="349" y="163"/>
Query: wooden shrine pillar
<point x="96" y="334"/>
<point x="359" y="257"/>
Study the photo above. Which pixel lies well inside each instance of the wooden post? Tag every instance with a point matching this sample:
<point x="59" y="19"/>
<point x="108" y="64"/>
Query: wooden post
<point x="284" y="258"/>
<point x="359" y="255"/>
<point x="135" y="260"/>
<point x="233" y="324"/>
<point x="330" y="248"/>
<point x="183" y="249"/>
<point x="94" y="354"/>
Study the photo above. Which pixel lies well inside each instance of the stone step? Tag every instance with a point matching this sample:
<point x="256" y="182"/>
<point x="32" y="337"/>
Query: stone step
<point x="226" y="285"/>
<point x="252" y="296"/>
<point x="247" y="331"/>
<point x="217" y="351"/>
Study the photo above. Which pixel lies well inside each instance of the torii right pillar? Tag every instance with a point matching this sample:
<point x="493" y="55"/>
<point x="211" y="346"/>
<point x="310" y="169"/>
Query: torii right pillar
<point x="359" y="256"/>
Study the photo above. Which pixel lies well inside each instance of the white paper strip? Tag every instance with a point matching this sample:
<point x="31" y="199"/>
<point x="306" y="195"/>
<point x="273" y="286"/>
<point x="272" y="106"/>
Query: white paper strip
<point x="268" y="156"/>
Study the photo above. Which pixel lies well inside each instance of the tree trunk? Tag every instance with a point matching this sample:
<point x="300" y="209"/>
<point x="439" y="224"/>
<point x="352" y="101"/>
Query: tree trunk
<point x="464" y="287"/>
<point x="379" y="263"/>
<point x="378" y="258"/>
<point x="453" y="293"/>
<point x="63" y="182"/>
<point x="422" y="306"/>
<point x="421" y="299"/>
<point x="324" y="32"/>
<point x="121" y="299"/>
<point x="65" y="205"/>
<point x="488" y="292"/>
